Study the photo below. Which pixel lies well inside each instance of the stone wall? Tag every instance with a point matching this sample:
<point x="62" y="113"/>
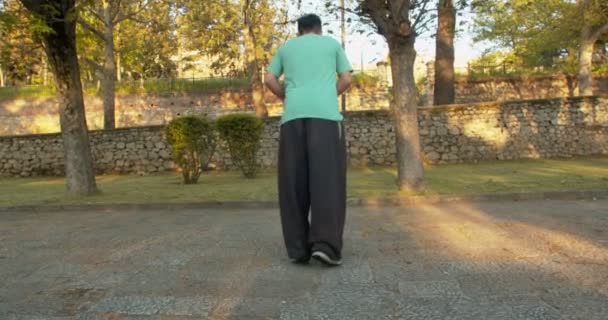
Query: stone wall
<point x="449" y="134"/>
<point x="521" y="88"/>
<point x="514" y="130"/>
<point x="32" y="116"/>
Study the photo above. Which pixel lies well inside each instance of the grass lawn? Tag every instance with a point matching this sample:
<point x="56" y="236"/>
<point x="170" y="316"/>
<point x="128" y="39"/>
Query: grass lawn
<point x="26" y="92"/>
<point x="151" y="86"/>
<point x="465" y="179"/>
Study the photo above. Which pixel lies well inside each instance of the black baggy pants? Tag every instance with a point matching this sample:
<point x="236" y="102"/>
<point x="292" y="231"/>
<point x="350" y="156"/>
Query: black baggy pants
<point x="312" y="178"/>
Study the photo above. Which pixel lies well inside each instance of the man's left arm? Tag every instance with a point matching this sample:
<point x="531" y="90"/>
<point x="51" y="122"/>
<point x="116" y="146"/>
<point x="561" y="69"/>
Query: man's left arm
<point x="344" y="70"/>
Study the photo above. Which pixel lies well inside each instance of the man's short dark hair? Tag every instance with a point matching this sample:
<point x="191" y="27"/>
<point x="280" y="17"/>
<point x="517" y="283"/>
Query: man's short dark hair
<point x="309" y="23"/>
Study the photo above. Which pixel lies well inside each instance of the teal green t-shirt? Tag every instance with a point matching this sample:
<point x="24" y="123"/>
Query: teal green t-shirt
<point x="310" y="64"/>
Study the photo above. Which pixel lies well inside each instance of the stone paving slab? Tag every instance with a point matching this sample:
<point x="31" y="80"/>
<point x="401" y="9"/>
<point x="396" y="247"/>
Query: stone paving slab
<point x="466" y="260"/>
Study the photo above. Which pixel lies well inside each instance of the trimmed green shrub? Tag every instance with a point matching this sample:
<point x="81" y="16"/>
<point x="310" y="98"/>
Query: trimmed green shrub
<point x="193" y="141"/>
<point x="242" y="133"/>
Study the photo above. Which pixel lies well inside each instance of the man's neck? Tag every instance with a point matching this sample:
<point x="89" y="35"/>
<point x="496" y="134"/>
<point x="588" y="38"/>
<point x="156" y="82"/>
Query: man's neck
<point x="309" y="33"/>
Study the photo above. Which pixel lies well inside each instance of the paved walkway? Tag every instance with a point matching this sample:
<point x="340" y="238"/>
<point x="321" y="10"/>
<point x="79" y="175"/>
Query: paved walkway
<point x="507" y="260"/>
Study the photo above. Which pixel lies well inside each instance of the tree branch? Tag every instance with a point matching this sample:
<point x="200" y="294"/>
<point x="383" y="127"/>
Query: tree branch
<point x="378" y="12"/>
<point x="599" y="32"/>
<point x="33" y="6"/>
<point x="404" y="14"/>
<point x="285" y="22"/>
<point x="131" y="15"/>
<point x="142" y="21"/>
<point x="117" y="9"/>
<point x="421" y="14"/>
<point x="95" y="14"/>
<point x="94" y="64"/>
<point x="91" y="29"/>
<point x="348" y="10"/>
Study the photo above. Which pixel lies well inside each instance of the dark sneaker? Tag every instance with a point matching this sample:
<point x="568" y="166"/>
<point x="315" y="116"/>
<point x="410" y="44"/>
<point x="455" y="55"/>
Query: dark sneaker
<point x="327" y="258"/>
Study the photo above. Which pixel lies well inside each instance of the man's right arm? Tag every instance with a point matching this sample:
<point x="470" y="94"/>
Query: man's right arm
<point x="275" y="69"/>
<point x="272" y="82"/>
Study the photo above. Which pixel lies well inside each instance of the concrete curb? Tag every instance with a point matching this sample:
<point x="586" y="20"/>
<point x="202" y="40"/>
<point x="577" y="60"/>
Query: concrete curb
<point x="353" y="202"/>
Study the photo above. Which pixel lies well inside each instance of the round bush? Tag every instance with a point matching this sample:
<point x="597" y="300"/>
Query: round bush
<point x="193" y="141"/>
<point x="242" y="133"/>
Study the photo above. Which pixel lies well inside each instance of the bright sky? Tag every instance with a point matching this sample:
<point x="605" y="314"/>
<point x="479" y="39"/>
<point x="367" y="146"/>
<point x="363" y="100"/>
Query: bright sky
<point x="371" y="49"/>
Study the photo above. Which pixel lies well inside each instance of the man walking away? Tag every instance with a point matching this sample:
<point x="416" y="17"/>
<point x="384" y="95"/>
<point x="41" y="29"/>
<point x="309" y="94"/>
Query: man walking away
<point x="312" y="151"/>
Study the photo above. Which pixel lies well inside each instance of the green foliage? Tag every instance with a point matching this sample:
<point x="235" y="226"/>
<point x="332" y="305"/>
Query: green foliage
<point x="532" y="30"/>
<point x="242" y="133"/>
<point x="21" y="55"/>
<point x="143" y="33"/>
<point x="193" y="141"/>
<point x="540" y="35"/>
<point x="365" y="81"/>
<point x="148" y="44"/>
<point x="215" y="29"/>
<point x="151" y="86"/>
<point x="493" y="64"/>
<point x="421" y="87"/>
<point x="26" y="92"/>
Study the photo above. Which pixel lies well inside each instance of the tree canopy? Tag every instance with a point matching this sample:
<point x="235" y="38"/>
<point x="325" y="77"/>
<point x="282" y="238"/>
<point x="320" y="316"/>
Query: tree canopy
<point x="152" y="38"/>
<point x="537" y="33"/>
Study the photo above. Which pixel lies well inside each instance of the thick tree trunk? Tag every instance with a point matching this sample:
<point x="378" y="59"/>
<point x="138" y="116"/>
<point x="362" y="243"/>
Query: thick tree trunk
<point x="109" y="68"/>
<point x="444" y="54"/>
<point x="404" y="106"/>
<point x="585" y="56"/>
<point x="253" y="66"/>
<point x="60" y="47"/>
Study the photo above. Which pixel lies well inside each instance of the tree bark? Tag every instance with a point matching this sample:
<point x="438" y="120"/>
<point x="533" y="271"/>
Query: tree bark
<point x="253" y="67"/>
<point x="45" y="73"/>
<point x="1" y="77"/>
<point x="584" y="68"/>
<point x="60" y="48"/>
<point x="405" y="109"/>
<point x="444" y="54"/>
<point x="585" y="60"/>
<point x="118" y="63"/>
<point x="180" y="59"/>
<point x="109" y="68"/>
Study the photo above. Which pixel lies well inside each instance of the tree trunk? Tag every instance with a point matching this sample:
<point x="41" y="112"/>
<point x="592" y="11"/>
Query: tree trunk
<point x="109" y="68"/>
<point x="60" y="47"/>
<point x="404" y="106"/>
<point x="117" y="45"/>
<point x="444" y="54"/>
<point x="253" y="67"/>
<point x="585" y="60"/>
<point x="1" y="77"/>
<point x="180" y="53"/>
<point x="45" y="72"/>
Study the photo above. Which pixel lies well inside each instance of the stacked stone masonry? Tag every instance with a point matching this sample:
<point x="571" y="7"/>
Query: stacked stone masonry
<point x="521" y="88"/>
<point x="449" y="134"/>
<point x="39" y="115"/>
